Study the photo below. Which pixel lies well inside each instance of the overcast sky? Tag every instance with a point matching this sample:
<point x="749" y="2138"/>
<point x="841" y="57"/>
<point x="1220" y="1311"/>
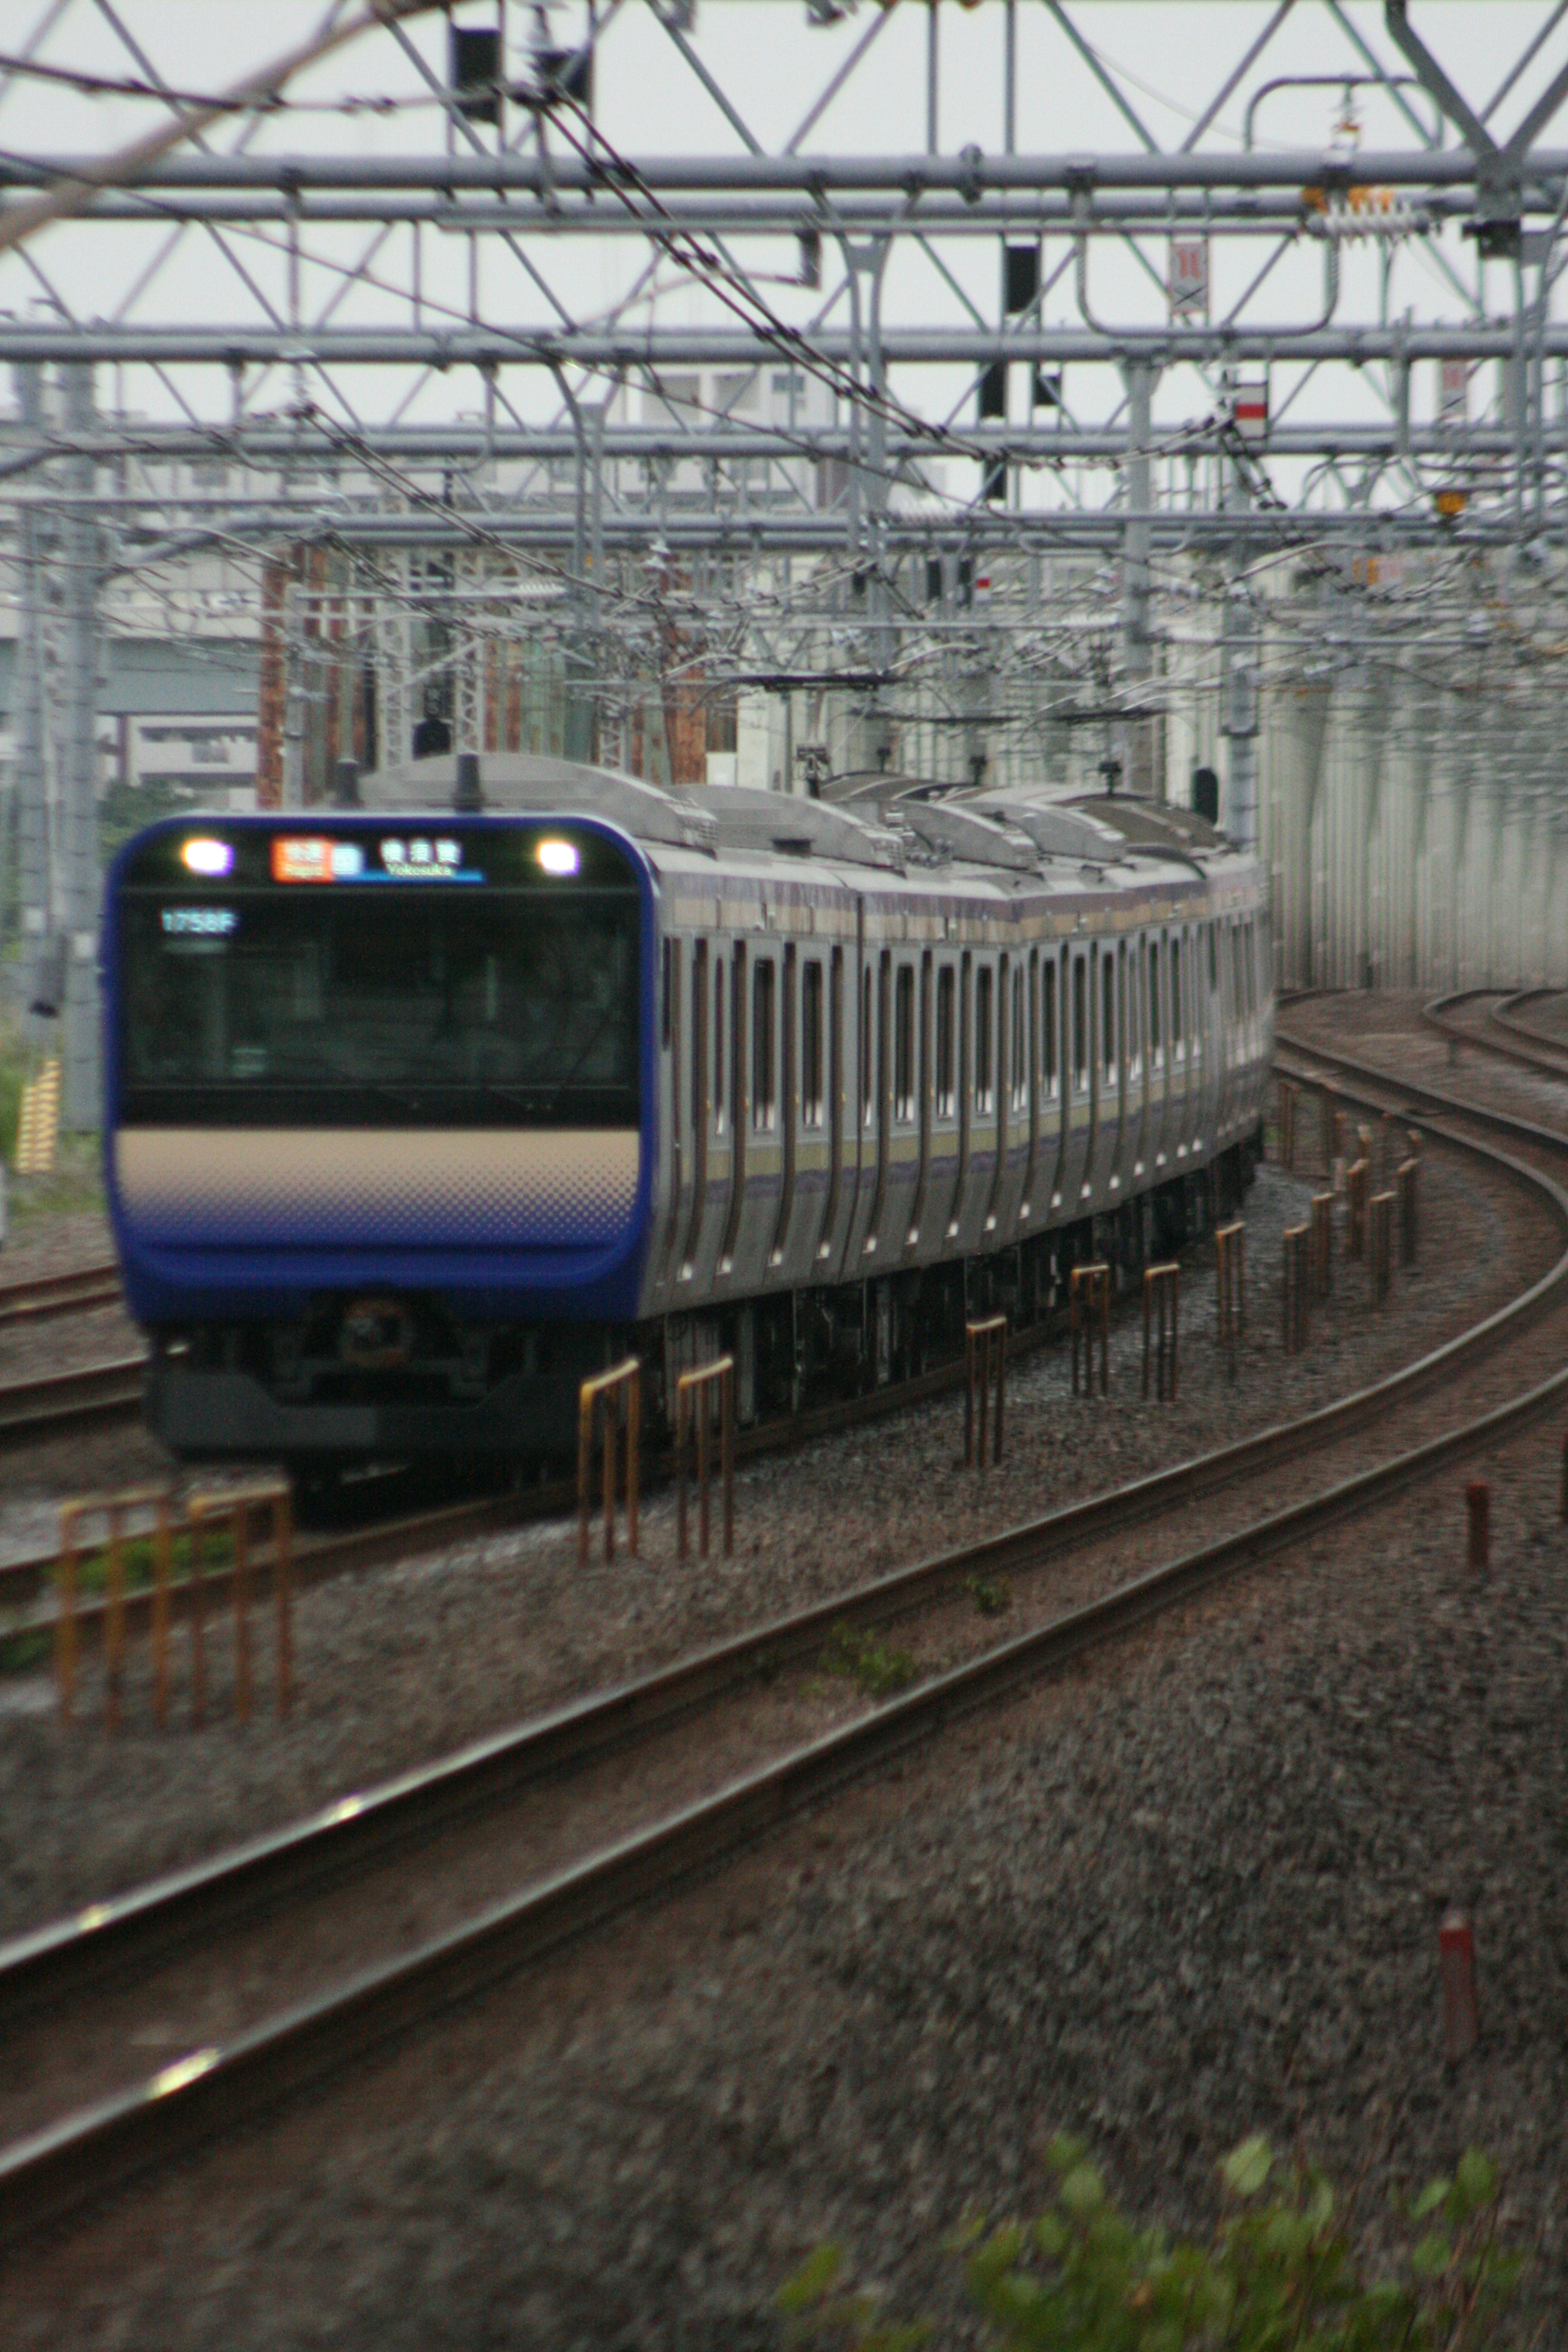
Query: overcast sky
<point x="1173" y="54"/>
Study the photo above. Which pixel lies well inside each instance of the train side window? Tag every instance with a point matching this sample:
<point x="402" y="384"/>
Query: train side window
<point x="699" y="1043"/>
<point x="1048" y="1024"/>
<point x="1019" y="1041"/>
<point x="1107" y="1014"/>
<point x="1178" y="1027"/>
<point x="1133" y="1004"/>
<point x="719" y="1045"/>
<point x="945" y="1039"/>
<point x="904" y="1045"/>
<point x="1156" y="1028"/>
<point x="663" y="996"/>
<point x="1079" y="1024"/>
<point x="811" y="1068"/>
<point x="764" y="1098"/>
<point x="865" y="1090"/>
<point x="984" y="1026"/>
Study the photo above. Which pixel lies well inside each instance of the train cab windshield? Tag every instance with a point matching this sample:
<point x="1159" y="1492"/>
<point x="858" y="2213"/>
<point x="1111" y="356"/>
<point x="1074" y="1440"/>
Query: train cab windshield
<point x="401" y="1006"/>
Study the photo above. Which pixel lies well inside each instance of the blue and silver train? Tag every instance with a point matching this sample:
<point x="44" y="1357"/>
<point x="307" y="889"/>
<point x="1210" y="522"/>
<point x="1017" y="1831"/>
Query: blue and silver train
<point x="420" y="1112"/>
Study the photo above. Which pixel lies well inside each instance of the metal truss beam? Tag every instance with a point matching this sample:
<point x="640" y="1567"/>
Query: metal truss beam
<point x="816" y="177"/>
<point x="1059" y="529"/>
<point x="1105" y="212"/>
<point x="282" y="448"/>
<point x="622" y="351"/>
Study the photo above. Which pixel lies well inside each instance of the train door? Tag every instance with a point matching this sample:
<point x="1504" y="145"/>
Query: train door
<point x="827" y="1244"/>
<point x="1079" y="1081"/>
<point x="882" y="1104"/>
<point x="764" y="1155"/>
<point x="939" y="1216"/>
<point x="997" y="1191"/>
<point x="966" y="1106"/>
<point x="1225" y="957"/>
<point x="1218" y="1062"/>
<point x="1104" y="1091"/>
<point x="738" y="1097"/>
<point x="1027" y="1212"/>
<point x="1121" y="1034"/>
<point x="1020" y="1092"/>
<point x="676" y="1157"/>
<point x="788" y="1112"/>
<point x="1137" y="1058"/>
<point x="980" y="1105"/>
<point x="1051" y="1088"/>
<point x="1181" y="996"/>
<point x="924" y="1093"/>
<point x="860" y="1239"/>
<point x="701" y="1111"/>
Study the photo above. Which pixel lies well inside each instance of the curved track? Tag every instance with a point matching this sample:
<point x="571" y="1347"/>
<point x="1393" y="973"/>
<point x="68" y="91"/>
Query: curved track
<point x="42" y="1977"/>
<point x="1489" y="1018"/>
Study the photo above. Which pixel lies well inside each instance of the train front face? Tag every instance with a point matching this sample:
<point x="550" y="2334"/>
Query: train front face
<point x="378" y="1164"/>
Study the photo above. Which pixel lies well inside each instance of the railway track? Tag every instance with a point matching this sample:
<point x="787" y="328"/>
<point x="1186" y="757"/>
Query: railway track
<point x="61" y="1973"/>
<point x="37" y="1408"/>
<point x="25" y="1609"/>
<point x="1509" y="1014"/>
<point x="49" y="1294"/>
<point x="1499" y="1028"/>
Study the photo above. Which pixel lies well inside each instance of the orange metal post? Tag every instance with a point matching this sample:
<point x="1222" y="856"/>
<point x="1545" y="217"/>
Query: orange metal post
<point x="65" y="1609"/>
<point x="161" y="1550"/>
<point x="114" y="1621"/>
<point x="1162" y="1319"/>
<point x="693" y="1394"/>
<point x="1089" y="1306"/>
<point x="985" y="1349"/>
<point x="621" y="1385"/>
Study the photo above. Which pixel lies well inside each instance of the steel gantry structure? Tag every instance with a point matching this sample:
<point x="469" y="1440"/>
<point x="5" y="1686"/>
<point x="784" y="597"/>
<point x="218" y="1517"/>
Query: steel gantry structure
<point x="765" y="390"/>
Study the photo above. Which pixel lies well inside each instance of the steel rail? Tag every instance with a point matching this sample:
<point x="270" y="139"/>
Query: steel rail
<point x="1506" y="1016"/>
<point x="45" y="2176"/>
<point x="45" y="1295"/>
<point x="1321" y="1059"/>
<point x="314" y="1559"/>
<point x="1439" y="1013"/>
<point x="111" y="1391"/>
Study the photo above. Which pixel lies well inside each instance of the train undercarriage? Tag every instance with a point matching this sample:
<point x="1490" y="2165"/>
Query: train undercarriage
<point x="397" y="1379"/>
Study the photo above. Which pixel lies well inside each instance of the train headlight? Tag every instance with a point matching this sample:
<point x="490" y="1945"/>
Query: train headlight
<point x="558" y="857"/>
<point x="204" y="855"/>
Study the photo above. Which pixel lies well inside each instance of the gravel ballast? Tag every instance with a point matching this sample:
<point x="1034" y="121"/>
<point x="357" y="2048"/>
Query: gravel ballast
<point x="1191" y="1891"/>
<point x="401" y="1664"/>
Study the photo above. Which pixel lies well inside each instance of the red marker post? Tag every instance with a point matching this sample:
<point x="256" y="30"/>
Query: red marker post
<point x="1457" y="1964"/>
<point x="1479" y="1504"/>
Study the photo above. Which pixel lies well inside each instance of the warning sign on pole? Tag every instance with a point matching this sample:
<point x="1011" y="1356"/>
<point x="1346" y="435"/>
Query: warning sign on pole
<point x="1249" y="410"/>
<point x="1188" y="277"/>
<point x="1454" y="394"/>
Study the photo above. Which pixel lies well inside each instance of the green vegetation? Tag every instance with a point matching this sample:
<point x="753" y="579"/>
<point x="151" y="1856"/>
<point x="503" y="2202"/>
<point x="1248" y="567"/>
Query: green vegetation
<point x="993" y="1597"/>
<point x="136" y="1559"/>
<point x="880" y="1671"/>
<point x="21" y="1653"/>
<point x="1281" y="2274"/>
<point x="76" y="1181"/>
